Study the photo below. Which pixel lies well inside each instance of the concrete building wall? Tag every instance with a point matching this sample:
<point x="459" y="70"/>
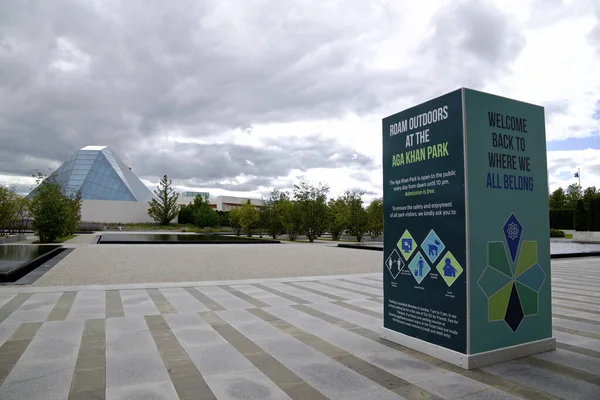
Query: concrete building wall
<point x="110" y="211"/>
<point x="226" y="203"/>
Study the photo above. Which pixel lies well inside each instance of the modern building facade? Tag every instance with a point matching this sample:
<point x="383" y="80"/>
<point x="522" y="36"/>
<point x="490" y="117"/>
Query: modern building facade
<point x="112" y="193"/>
<point x="100" y="175"/>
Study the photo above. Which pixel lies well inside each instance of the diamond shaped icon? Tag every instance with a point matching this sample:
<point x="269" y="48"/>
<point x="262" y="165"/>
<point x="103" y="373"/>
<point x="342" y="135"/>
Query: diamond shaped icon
<point x="432" y="246"/>
<point x="419" y="268"/>
<point x="394" y="264"/>
<point x="512" y="234"/>
<point x="449" y="269"/>
<point x="406" y="244"/>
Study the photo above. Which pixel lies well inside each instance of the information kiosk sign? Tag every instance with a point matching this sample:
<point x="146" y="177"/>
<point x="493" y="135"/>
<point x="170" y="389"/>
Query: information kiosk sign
<point x="466" y="243"/>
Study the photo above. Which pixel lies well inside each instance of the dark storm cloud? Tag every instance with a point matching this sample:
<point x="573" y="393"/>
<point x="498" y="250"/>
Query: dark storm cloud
<point x="472" y="41"/>
<point x="207" y="164"/>
<point x="120" y="72"/>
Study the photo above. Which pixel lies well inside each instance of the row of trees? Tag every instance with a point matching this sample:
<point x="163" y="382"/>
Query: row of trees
<point x="307" y="210"/>
<point x="575" y="208"/>
<point x="13" y="211"/>
<point x="52" y="214"/>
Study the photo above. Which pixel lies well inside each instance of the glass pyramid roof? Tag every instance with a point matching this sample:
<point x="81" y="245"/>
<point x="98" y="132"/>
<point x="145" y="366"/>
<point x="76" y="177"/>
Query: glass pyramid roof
<point x="101" y="176"/>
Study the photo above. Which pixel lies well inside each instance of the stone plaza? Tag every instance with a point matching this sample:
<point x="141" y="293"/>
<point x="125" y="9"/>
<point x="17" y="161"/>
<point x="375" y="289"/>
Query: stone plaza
<point x="298" y="321"/>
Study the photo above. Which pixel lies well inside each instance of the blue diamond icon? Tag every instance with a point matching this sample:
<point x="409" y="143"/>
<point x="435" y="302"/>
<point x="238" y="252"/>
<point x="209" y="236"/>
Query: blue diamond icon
<point x="512" y="234"/>
<point x="432" y="246"/>
<point x="419" y="267"/>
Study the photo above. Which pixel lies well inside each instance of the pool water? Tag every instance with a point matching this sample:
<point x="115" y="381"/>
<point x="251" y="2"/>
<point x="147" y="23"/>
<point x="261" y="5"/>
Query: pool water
<point x="165" y="238"/>
<point x="13" y="255"/>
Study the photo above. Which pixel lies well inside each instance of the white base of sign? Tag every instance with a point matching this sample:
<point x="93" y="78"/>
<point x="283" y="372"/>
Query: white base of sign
<point x="474" y="360"/>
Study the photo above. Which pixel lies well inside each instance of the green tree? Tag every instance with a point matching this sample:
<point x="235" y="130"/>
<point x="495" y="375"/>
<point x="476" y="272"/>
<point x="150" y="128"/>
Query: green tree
<point x="291" y="218"/>
<point x="338" y="217"/>
<point x="249" y="217"/>
<point x="558" y="199"/>
<point x="311" y="203"/>
<point x="164" y="208"/>
<point x="572" y="196"/>
<point x="375" y="216"/>
<point x="204" y="214"/>
<point x="75" y="203"/>
<point x="271" y="213"/>
<point x="186" y="214"/>
<point x="589" y="195"/>
<point x="358" y="221"/>
<point x="50" y="210"/>
<point x="20" y="215"/>
<point x="8" y="201"/>
<point x="235" y="220"/>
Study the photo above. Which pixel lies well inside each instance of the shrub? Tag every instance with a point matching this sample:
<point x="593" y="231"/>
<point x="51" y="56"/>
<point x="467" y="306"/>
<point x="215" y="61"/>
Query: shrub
<point x="186" y="215"/>
<point x="556" y="233"/>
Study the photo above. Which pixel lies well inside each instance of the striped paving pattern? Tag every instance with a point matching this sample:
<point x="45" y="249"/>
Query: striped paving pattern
<point x="309" y="338"/>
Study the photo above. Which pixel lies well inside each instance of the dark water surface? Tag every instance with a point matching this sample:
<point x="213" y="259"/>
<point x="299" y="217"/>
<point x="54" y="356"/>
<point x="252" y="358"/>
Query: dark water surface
<point x="12" y="255"/>
<point x="175" y="238"/>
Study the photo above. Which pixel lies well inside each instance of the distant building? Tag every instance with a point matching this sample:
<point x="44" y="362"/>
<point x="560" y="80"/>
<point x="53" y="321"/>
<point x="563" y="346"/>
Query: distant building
<point x="220" y="203"/>
<point x="100" y="175"/>
<point x="112" y="193"/>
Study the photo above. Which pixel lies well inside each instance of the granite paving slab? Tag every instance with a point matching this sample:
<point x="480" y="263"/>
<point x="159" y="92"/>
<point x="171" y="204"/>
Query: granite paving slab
<point x="309" y="337"/>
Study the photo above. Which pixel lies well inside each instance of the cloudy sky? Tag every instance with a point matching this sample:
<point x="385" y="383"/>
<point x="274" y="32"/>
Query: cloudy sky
<point x="238" y="97"/>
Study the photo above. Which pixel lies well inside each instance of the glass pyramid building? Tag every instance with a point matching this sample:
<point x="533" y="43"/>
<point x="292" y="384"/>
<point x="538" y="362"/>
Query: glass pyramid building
<point x="101" y="176"/>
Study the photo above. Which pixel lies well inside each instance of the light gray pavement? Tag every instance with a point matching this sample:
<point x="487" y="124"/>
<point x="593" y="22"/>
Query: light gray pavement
<point x="300" y="338"/>
<point x="97" y="264"/>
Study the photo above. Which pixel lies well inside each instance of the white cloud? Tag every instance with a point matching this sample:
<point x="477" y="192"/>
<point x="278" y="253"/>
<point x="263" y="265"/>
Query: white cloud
<point x="178" y="85"/>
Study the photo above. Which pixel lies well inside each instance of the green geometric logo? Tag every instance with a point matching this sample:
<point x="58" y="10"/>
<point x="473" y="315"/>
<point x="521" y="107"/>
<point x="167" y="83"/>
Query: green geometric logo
<point x="449" y="269"/>
<point x="407" y="245"/>
<point x="512" y="278"/>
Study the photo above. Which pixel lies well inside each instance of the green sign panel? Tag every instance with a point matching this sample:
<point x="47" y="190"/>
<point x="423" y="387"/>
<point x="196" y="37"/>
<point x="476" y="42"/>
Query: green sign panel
<point x="466" y="230"/>
<point x="509" y="241"/>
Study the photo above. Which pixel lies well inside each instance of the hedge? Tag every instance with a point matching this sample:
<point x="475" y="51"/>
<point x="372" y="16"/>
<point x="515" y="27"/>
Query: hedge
<point x="561" y="219"/>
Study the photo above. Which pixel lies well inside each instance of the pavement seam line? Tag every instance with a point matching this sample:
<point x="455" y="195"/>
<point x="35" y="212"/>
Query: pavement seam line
<point x="347" y="289"/>
<point x="284" y="378"/>
<point x="204" y="299"/>
<point x="558" y="305"/>
<point x="161" y="303"/>
<point x="62" y="307"/>
<point x="246" y="297"/>
<point x="279" y="293"/>
<point x="379" y="376"/>
<point x="113" y="304"/>
<point x="315" y="291"/>
<point x="363" y="284"/>
<point x="13" y="305"/>
<point x="89" y="373"/>
<point x="185" y="377"/>
<point x="12" y="350"/>
<point x="577" y="332"/>
<point x="359" y="309"/>
<point x="563" y="370"/>
<point x="576" y="319"/>
<point x="486" y="378"/>
<point x="579" y="350"/>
